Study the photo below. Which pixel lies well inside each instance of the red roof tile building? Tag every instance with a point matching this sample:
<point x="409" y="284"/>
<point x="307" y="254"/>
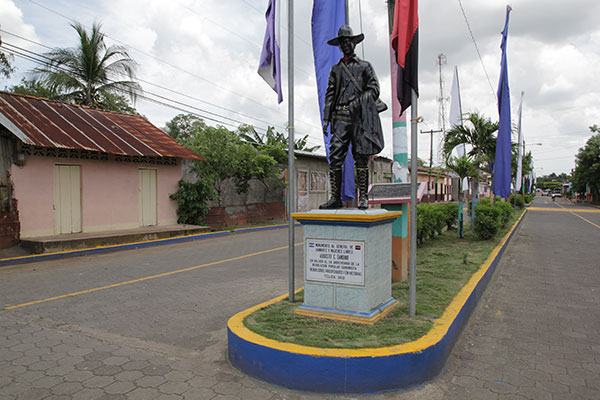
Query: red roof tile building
<point x="67" y="169"/>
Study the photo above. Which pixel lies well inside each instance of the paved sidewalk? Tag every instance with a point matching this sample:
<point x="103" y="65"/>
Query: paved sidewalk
<point x="535" y="334"/>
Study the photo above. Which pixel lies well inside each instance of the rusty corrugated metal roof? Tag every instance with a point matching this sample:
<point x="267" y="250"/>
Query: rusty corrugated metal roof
<point x="48" y="123"/>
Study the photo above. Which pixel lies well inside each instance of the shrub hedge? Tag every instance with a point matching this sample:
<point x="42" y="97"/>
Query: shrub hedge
<point x="433" y="218"/>
<point x="486" y="220"/>
<point x="517" y="200"/>
<point x="490" y="218"/>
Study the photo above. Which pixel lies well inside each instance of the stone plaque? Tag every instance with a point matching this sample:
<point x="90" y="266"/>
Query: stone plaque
<point x="335" y="261"/>
<point x="389" y="190"/>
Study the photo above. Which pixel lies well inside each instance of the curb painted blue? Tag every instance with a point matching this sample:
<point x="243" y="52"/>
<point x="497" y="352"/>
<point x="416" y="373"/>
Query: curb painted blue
<point x="129" y="246"/>
<point x="328" y="374"/>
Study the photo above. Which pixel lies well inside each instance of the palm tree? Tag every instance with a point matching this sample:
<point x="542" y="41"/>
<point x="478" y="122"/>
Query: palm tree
<point x="90" y="73"/>
<point x="478" y="133"/>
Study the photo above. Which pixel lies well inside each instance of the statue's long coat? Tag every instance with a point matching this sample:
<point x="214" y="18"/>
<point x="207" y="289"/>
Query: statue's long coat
<point x="340" y="90"/>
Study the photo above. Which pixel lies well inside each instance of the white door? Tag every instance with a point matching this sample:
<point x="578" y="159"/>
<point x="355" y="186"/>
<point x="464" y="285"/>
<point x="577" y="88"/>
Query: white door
<point x="147" y="197"/>
<point x="67" y="199"/>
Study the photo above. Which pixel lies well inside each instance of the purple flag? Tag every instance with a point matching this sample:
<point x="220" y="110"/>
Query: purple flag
<point x="270" y="67"/>
<point x="502" y="164"/>
<point x="327" y="17"/>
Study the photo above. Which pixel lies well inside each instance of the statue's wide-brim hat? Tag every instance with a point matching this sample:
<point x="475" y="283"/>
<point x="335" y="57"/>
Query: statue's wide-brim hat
<point x="345" y="32"/>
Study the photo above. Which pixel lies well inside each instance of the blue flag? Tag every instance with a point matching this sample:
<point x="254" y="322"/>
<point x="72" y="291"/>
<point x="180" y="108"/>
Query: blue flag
<point x="327" y="17"/>
<point x="269" y="66"/>
<point x="503" y="144"/>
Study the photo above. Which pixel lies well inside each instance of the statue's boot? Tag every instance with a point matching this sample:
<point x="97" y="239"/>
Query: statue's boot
<point x="363" y="187"/>
<point x="335" y="179"/>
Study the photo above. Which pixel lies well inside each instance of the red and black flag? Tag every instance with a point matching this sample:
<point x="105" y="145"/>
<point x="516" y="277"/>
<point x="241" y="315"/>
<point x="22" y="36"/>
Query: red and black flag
<point x="405" y="42"/>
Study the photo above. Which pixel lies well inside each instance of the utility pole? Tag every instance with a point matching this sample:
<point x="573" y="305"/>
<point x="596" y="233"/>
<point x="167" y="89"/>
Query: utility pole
<point x="431" y="132"/>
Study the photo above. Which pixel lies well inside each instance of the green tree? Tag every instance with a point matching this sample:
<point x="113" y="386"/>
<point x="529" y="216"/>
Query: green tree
<point x="272" y="143"/>
<point x="91" y="73"/>
<point x="220" y="149"/>
<point x="6" y="68"/>
<point x="192" y="201"/>
<point x="587" y="170"/>
<point x="249" y="134"/>
<point x="226" y="155"/>
<point x="477" y="131"/>
<point x="34" y="87"/>
<point x="116" y="102"/>
<point x="183" y="127"/>
<point x="37" y="88"/>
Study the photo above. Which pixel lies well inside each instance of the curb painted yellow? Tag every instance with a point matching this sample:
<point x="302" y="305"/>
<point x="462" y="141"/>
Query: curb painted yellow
<point x="437" y="332"/>
<point x="346" y="217"/>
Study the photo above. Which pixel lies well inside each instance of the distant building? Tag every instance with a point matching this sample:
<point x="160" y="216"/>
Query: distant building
<point x="439" y="184"/>
<point x="67" y="169"/>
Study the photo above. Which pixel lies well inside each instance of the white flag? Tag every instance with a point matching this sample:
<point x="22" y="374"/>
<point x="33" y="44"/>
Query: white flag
<point x="520" y="152"/>
<point x="456" y="109"/>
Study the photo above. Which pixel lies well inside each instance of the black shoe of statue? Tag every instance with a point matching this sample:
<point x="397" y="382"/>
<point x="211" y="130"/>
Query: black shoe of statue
<point x="332" y="204"/>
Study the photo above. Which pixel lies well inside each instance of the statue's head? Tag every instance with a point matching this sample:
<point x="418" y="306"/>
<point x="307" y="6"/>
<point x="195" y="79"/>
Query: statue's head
<point x="346" y="40"/>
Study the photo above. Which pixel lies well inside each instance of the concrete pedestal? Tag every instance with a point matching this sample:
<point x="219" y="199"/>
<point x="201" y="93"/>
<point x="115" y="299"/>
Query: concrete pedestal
<point x="348" y="254"/>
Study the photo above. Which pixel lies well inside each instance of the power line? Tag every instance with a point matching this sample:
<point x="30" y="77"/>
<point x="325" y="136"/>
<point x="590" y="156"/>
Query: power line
<point x="144" y="81"/>
<point x="477" y="49"/>
<point x="34" y="58"/>
<point x="31" y="57"/>
<point x="169" y="64"/>
<point x="178" y="68"/>
<point x="159" y="99"/>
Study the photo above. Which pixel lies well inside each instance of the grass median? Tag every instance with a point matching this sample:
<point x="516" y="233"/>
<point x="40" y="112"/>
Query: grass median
<point x="444" y="265"/>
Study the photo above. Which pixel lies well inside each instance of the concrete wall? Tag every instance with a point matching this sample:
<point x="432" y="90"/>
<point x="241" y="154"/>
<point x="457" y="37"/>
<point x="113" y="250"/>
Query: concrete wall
<point x="381" y="170"/>
<point x="257" y="193"/>
<point x="312" y="178"/>
<point x="109" y="194"/>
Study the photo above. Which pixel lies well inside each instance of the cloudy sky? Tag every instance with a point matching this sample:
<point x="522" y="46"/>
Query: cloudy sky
<point x="203" y="54"/>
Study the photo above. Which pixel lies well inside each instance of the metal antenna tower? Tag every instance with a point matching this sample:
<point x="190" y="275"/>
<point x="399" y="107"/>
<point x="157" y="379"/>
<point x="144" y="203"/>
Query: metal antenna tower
<point x="441" y="61"/>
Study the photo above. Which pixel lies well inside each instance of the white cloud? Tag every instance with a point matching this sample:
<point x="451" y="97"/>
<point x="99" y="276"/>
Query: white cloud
<point x="210" y="50"/>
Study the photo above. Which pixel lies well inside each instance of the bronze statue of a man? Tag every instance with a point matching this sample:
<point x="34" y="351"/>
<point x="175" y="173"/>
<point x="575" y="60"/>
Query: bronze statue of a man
<point x="351" y="109"/>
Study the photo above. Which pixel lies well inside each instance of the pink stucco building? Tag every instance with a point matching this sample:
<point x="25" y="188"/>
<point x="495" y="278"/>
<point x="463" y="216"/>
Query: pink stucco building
<point x="67" y="169"/>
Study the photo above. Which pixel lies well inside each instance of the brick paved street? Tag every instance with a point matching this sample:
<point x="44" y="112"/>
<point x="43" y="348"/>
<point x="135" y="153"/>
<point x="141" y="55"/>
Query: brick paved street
<point x="535" y="335"/>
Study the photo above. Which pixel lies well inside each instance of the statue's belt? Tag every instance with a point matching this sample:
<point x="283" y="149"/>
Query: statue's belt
<point x="342" y="117"/>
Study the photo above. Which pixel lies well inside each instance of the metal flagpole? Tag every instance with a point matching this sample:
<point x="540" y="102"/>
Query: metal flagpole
<point x="291" y="170"/>
<point x="347" y="14"/>
<point x="412" y="287"/>
<point x="412" y="274"/>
